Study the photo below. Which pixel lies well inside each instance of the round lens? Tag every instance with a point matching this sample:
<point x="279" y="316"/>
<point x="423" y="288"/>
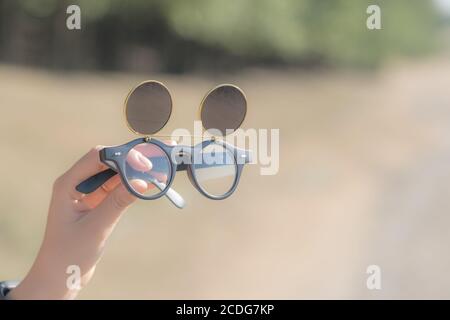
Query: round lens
<point x="148" y="169"/>
<point x="148" y="108"/>
<point x="215" y="169"/>
<point x="223" y="108"/>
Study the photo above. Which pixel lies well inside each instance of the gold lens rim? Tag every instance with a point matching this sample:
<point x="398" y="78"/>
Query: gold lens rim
<point x="199" y="112"/>
<point x="125" y="105"/>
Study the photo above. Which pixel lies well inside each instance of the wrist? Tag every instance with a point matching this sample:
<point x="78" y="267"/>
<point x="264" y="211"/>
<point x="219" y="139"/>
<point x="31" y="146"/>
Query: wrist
<point x="47" y="280"/>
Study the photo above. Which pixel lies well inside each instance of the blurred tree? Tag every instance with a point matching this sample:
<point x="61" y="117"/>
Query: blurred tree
<point x="179" y="35"/>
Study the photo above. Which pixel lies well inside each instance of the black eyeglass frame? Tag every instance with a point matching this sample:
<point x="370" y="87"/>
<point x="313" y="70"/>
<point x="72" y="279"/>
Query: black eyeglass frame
<point x="115" y="158"/>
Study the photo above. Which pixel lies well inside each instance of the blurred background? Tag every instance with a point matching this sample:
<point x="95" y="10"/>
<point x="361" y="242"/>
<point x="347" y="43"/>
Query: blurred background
<point x="364" y="119"/>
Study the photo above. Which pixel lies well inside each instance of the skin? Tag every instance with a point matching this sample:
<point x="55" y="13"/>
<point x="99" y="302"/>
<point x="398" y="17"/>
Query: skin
<point x="78" y="226"/>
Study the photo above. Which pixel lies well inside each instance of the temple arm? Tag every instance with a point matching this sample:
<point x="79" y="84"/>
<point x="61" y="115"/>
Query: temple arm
<point x="96" y="181"/>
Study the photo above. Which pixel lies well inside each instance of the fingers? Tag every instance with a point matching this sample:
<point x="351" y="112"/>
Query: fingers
<point x="140" y="186"/>
<point x="90" y="165"/>
<point x="107" y="213"/>
<point x="84" y="168"/>
<point x="92" y="200"/>
<point x="170" y="142"/>
<point x="139" y="158"/>
<point x="138" y="161"/>
<point x="149" y="150"/>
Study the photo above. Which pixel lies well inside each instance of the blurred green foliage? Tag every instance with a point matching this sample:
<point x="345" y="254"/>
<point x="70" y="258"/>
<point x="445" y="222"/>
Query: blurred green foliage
<point x="179" y="35"/>
<point x="292" y="30"/>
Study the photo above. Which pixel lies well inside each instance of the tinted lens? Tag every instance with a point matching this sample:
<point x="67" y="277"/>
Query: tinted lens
<point x="215" y="170"/>
<point x="223" y="108"/>
<point x="148" y="107"/>
<point x="148" y="169"/>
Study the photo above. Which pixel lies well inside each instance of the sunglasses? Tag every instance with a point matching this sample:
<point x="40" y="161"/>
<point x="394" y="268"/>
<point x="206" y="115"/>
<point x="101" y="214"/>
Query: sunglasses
<point x="147" y="166"/>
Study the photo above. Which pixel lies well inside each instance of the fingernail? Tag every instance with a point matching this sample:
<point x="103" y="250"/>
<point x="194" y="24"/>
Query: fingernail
<point x="145" y="161"/>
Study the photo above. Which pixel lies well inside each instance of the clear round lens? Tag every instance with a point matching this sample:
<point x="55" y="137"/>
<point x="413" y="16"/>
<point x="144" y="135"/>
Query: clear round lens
<point x="215" y="169"/>
<point x="148" y="169"/>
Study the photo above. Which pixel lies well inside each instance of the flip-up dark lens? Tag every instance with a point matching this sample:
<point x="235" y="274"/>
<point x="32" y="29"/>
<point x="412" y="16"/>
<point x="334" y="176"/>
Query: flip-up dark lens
<point x="223" y="108"/>
<point x="148" y="107"/>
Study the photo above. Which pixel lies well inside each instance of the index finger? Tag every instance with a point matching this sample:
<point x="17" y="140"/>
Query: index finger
<point x="84" y="168"/>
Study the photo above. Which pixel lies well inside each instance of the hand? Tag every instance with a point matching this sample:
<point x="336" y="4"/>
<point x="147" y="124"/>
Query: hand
<point x="78" y="226"/>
